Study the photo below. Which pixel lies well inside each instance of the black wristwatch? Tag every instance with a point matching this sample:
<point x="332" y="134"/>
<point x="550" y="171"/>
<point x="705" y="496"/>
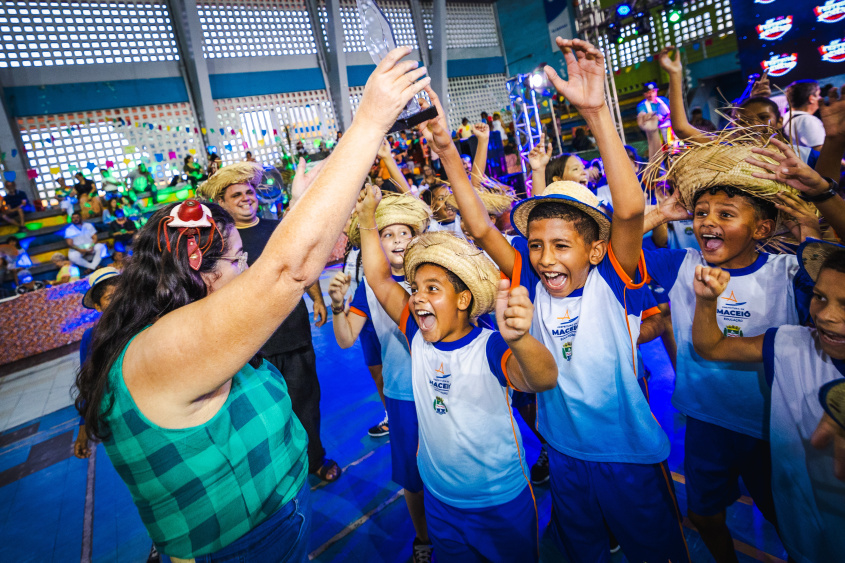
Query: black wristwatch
<point x="832" y="399"/>
<point x="832" y="190"/>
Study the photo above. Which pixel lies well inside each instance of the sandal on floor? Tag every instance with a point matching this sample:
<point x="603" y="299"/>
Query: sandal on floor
<point x="328" y="467"/>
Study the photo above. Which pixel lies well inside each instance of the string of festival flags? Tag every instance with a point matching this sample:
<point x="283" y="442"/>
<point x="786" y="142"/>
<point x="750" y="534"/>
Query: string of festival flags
<point x="159" y="157"/>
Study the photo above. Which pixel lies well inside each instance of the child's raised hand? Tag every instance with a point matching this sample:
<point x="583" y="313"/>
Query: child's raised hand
<point x="833" y="113"/>
<point x="514" y="311"/>
<point x="761" y="87"/>
<point x="338" y="288"/>
<point x="802" y="220"/>
<point x="788" y="168"/>
<point x="482" y="131"/>
<point x="670" y="60"/>
<point x="585" y="66"/>
<point x="709" y="283"/>
<point x="368" y="200"/>
<point x="436" y="130"/>
<point x="672" y="209"/>
<point x="384" y="151"/>
<point x="540" y="155"/>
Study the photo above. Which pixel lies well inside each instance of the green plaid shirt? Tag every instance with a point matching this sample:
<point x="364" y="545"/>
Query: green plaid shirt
<point x="199" y="489"/>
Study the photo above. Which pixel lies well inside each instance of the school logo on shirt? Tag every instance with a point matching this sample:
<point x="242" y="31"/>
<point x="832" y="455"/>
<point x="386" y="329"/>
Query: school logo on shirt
<point x="567" y="350"/>
<point x="440" y="406"/>
<point x="567" y="327"/>
<point x="688" y="231"/>
<point x="441" y="381"/>
<point x="733" y="308"/>
<point x="732" y="331"/>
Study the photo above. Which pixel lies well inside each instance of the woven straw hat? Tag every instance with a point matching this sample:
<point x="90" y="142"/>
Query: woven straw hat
<point x="568" y="193"/>
<point x="496" y="202"/>
<point x="707" y="166"/>
<point x="395" y="209"/>
<point x="461" y="258"/>
<point x="237" y="173"/>
<point x="813" y="252"/>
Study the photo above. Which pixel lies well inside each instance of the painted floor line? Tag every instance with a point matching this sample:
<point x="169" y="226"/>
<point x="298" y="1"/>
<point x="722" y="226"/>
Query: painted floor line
<point x="88" y="514"/>
<point x="355" y="525"/>
<point x="41" y="435"/>
<point x="744" y="548"/>
<point x="356" y="462"/>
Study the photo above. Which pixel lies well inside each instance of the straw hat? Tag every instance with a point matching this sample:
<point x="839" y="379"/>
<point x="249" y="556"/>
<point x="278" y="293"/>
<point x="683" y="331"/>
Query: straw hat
<point x="496" y="201"/>
<point x="237" y="173"/>
<point x="461" y="258"/>
<point x="95" y="278"/>
<point x="812" y="254"/>
<point x="395" y="209"/>
<point x="568" y="193"/>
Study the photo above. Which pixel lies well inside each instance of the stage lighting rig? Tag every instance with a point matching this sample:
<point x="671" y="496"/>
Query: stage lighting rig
<point x="623" y="10"/>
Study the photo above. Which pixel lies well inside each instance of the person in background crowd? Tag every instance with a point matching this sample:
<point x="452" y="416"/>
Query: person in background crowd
<point x="697" y="120"/>
<point x="654" y="118"/>
<point x="64" y="195"/>
<point x="192" y="170"/>
<point x="249" y="157"/>
<point x="122" y="230"/>
<point x="290" y="348"/>
<point x="111" y="184"/>
<point x="27" y="284"/>
<point x="112" y="206"/>
<point x="580" y="142"/>
<point x="67" y="271"/>
<point x="11" y="210"/>
<point x="83" y="186"/>
<point x="465" y="130"/>
<point x="214" y="163"/>
<point x="496" y="125"/>
<point x="81" y="239"/>
<point x="118" y="256"/>
<point x="800" y="125"/>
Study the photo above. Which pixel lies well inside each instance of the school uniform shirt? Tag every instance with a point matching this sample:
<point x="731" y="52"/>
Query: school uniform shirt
<point x="732" y="395"/>
<point x="597" y="411"/>
<point x="470" y="453"/>
<point x="82" y="235"/>
<point x="681" y="235"/>
<point x="395" y="357"/>
<point x="809" y="499"/>
<point x="451" y="226"/>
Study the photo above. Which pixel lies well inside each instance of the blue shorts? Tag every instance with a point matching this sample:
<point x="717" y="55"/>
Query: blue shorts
<point x="635" y="501"/>
<point x="714" y="460"/>
<point x="522" y="399"/>
<point x="503" y="533"/>
<point x="404" y="442"/>
<point x="370" y="344"/>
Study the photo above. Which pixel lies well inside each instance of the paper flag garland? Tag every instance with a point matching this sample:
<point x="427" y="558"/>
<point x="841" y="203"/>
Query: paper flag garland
<point x="91" y="166"/>
<point x="171" y="155"/>
<point x="72" y="167"/>
<point x="14" y="154"/>
<point x="55" y="170"/>
<point x="159" y="157"/>
<point x="32" y="174"/>
<point x="129" y="149"/>
<point x="126" y="161"/>
<point x="109" y="164"/>
<point x="10" y="175"/>
<point x="192" y="151"/>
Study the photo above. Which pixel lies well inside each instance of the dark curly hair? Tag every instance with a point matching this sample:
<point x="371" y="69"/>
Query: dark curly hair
<point x="154" y="283"/>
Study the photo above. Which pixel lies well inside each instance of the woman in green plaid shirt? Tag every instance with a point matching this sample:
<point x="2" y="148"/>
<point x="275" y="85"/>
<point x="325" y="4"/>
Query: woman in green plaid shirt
<point x="200" y="429"/>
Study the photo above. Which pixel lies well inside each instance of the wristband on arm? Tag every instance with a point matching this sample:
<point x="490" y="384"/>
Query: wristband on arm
<point x="832" y="399"/>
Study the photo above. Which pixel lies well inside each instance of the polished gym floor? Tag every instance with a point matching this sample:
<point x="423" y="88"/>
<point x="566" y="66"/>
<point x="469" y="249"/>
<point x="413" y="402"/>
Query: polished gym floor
<point x="55" y="507"/>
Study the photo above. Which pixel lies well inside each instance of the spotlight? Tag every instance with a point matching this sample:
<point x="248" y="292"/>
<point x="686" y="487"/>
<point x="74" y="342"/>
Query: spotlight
<point x="536" y="81"/>
<point x="675" y="16"/>
<point x="539" y="82"/>
<point x="623" y="10"/>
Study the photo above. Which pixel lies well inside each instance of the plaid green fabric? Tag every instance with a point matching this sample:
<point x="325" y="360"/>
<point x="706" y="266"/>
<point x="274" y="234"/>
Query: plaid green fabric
<point x="199" y="489"/>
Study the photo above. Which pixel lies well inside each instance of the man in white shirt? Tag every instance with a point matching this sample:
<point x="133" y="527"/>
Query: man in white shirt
<point x="800" y="125"/>
<point x="81" y="238"/>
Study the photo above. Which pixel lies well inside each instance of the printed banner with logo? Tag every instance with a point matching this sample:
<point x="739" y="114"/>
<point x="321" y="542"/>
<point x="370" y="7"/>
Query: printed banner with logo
<point x="560" y="24"/>
<point x="791" y="40"/>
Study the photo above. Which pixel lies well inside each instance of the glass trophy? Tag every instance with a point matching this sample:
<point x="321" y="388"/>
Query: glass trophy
<point x="380" y="41"/>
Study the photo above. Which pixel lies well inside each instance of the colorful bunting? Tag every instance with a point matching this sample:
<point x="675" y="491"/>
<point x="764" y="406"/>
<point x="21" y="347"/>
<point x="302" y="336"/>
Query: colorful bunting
<point x="10" y="175"/>
<point x="129" y="149"/>
<point x="32" y="174"/>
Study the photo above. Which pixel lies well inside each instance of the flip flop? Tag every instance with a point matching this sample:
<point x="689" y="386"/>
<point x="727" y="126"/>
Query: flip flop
<point x="328" y="466"/>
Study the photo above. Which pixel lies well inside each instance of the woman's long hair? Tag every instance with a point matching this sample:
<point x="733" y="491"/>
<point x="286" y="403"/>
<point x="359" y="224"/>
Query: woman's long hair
<point x="155" y="282"/>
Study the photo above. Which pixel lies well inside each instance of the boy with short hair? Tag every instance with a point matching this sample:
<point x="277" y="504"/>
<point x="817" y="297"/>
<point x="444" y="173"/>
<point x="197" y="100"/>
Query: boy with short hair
<point x="398" y="218"/>
<point x="479" y="504"/>
<point x="586" y="280"/>
<point x="737" y="192"/>
<point x="800" y="363"/>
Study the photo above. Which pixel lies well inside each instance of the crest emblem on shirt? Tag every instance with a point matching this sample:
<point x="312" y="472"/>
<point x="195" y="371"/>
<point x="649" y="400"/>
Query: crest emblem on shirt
<point x="732" y="309"/>
<point x="440" y="406"/>
<point x="567" y="351"/>
<point x="566" y="327"/>
<point x="733" y="330"/>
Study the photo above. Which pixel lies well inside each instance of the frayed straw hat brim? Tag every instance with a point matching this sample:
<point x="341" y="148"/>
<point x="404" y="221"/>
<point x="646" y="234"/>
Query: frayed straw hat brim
<point x="567" y="193"/>
<point x="812" y="253"/>
<point x="453" y="253"/>
<point x="395" y="209"/>
<point x="495" y="203"/>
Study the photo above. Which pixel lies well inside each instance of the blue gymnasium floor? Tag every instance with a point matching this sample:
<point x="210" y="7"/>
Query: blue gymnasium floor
<point x="44" y="514"/>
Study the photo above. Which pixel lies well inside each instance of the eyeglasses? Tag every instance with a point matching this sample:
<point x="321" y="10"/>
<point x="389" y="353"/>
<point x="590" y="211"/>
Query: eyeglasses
<point x="239" y="261"/>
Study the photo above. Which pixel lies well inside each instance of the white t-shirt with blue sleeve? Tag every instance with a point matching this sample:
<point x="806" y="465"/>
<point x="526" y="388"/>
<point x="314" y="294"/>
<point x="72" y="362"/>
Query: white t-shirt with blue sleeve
<point x="395" y="358"/>
<point x="732" y="395"/>
<point x="597" y="411"/>
<point x="470" y="453"/>
<point x="809" y="499"/>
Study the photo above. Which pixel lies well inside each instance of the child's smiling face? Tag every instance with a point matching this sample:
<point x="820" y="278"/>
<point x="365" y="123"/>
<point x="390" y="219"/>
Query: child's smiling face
<point x="560" y="255"/>
<point x="440" y="311"/>
<point x="728" y="229"/>
<point x="827" y="308"/>
<point x="394" y="240"/>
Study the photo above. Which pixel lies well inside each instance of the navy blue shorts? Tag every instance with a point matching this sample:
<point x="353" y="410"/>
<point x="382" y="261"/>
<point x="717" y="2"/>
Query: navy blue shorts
<point x="635" y="501"/>
<point x="714" y="460"/>
<point x="404" y="442"/>
<point x="370" y="345"/>
<point x="522" y="399"/>
<point x="505" y="533"/>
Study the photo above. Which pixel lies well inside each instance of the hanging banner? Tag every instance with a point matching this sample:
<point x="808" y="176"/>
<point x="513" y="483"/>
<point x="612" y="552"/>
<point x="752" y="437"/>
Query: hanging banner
<point x="560" y="24"/>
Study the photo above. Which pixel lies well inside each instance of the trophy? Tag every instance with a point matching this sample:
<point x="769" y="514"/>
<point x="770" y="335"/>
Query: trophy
<point x="380" y="41"/>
